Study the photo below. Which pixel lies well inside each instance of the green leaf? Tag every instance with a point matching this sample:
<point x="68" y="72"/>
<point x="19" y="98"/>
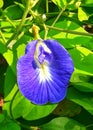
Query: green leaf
<point x="1" y="3"/>
<point x="3" y="69"/>
<point x="83" y="99"/>
<point x="83" y="58"/>
<point x="23" y="107"/>
<point x="69" y="40"/>
<point x="63" y="123"/>
<point x="67" y="108"/>
<point x="8" y="97"/>
<point x="21" y="50"/>
<point x="11" y="59"/>
<point x="20" y="106"/>
<point x="8" y="56"/>
<point x="87" y="3"/>
<point x="12" y="56"/>
<point x="80" y="76"/>
<point x="2" y="117"/>
<point x="10" y="80"/>
<point x="62" y="3"/>
<point x="83" y="86"/>
<point x="2" y="48"/>
<point x="38" y="112"/>
<point x="8" y="124"/>
<point x="29" y="111"/>
<point x="82" y="15"/>
<point x="59" y="3"/>
<point x="11" y="12"/>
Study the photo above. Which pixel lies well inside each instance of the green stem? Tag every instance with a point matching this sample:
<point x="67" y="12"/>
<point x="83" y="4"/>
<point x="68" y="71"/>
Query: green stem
<point x="55" y="28"/>
<point x="47" y="29"/>
<point x="9" y="42"/>
<point x="11" y="103"/>
<point x="46" y="32"/>
<point x="10" y="21"/>
<point x="63" y="9"/>
<point x="47" y="6"/>
<point x="11" y="113"/>
<point x="2" y="36"/>
<point x="69" y="31"/>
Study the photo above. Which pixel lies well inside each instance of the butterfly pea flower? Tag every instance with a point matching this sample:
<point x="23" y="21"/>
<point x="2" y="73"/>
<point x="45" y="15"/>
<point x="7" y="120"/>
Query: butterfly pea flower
<point x="43" y="73"/>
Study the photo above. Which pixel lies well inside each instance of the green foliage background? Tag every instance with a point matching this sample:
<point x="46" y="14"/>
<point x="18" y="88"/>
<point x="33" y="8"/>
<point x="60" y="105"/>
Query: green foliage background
<point x="71" y="23"/>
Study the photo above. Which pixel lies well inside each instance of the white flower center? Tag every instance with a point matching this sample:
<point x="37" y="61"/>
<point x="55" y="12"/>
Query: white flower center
<point x="44" y="73"/>
<point x="43" y="57"/>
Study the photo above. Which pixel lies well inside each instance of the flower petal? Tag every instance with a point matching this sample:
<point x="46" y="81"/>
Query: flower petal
<point x="49" y="82"/>
<point x="62" y="64"/>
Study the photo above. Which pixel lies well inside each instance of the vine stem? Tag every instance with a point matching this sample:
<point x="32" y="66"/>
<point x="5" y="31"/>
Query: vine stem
<point x="69" y="31"/>
<point x="10" y="41"/>
<point x="11" y="113"/>
<point x="46" y="6"/>
<point x="58" y="16"/>
<point x="61" y="12"/>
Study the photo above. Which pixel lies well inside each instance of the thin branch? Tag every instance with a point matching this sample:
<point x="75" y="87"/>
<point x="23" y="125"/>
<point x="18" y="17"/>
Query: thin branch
<point x="11" y="113"/>
<point x="10" y="21"/>
<point x="47" y="6"/>
<point x="58" y="16"/>
<point x="61" y="12"/>
<point x="69" y="31"/>
<point x="9" y="42"/>
<point x="11" y="103"/>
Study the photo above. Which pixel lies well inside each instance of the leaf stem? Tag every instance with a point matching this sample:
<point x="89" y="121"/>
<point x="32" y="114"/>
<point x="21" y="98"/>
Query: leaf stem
<point x="9" y="42"/>
<point x="69" y="31"/>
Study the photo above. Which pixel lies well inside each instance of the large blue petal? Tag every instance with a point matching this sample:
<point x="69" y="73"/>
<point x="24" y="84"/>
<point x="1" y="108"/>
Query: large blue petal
<point x="62" y="63"/>
<point x="28" y="81"/>
<point x="31" y="46"/>
<point x="61" y="69"/>
<point x="51" y="89"/>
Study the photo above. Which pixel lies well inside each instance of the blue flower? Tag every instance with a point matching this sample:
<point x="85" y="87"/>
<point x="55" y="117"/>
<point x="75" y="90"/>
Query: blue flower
<point x="43" y="73"/>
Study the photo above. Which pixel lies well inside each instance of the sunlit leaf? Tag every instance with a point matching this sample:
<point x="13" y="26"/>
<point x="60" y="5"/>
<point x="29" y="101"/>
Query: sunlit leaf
<point x="30" y="111"/>
<point x="23" y="107"/>
<point x="59" y="3"/>
<point x="39" y="111"/>
<point x="82" y="15"/>
<point x="1" y="3"/>
<point x="67" y="39"/>
<point x="82" y="59"/>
